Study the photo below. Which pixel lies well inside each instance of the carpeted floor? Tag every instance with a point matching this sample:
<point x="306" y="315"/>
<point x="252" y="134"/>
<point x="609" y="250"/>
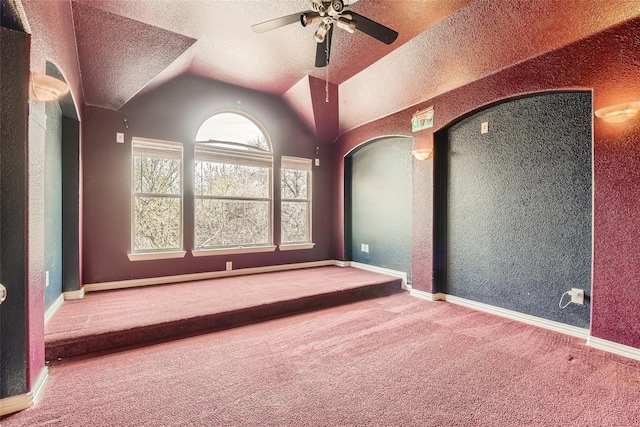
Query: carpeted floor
<point x="390" y="361"/>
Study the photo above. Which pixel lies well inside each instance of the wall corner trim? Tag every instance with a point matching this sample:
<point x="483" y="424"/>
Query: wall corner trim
<point x="613" y="347"/>
<point x="426" y="295"/>
<point x="12" y="404"/>
<point x="48" y="315"/>
<point x="375" y="269"/>
<point x="74" y="294"/>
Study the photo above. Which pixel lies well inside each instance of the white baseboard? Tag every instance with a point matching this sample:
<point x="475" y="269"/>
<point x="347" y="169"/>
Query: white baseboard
<point x="122" y="284"/>
<point x="615" y="348"/>
<point x="400" y="274"/>
<point x="521" y="317"/>
<point x="12" y="404"/>
<point x="599" y="343"/>
<point x="54" y="307"/>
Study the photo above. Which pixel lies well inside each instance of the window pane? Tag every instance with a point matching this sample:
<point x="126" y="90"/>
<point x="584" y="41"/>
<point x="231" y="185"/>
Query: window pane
<point x="233" y="128"/>
<point x="295" y="222"/>
<point x="156" y="175"/>
<point x="218" y="179"/>
<point x="231" y="223"/>
<point x="157" y="223"/>
<point x="294" y="184"/>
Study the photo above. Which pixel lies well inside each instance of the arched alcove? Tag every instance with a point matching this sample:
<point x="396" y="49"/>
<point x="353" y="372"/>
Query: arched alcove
<point x="378" y="201"/>
<point x="513" y="206"/>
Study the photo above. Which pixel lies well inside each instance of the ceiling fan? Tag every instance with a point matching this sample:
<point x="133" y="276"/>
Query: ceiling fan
<point x="327" y="13"/>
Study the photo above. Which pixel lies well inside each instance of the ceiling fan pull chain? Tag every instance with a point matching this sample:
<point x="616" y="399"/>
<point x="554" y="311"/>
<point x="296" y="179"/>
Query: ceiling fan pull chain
<point x="326" y="84"/>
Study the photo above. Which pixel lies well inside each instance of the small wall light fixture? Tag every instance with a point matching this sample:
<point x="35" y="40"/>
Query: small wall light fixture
<point x="422" y="153"/>
<point x="619" y="113"/>
<point x="46" y="88"/>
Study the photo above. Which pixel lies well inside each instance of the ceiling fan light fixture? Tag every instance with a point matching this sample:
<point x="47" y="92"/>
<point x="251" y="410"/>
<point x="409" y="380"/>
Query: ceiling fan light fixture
<point x="322" y="32"/>
<point x="349" y="25"/>
<point x="309" y="18"/>
<point x="337" y="6"/>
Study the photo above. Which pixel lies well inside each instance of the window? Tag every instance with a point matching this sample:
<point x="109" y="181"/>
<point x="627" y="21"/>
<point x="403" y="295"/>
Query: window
<point x="295" y="184"/>
<point x="156" y="196"/>
<point x="233" y="184"/>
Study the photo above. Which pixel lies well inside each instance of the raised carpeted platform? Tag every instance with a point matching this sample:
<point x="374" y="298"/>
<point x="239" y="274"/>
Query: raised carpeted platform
<point x="109" y="320"/>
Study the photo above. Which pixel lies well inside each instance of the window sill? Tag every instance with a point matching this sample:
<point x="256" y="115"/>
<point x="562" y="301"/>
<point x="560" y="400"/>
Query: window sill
<point x="146" y="256"/>
<point x="231" y="251"/>
<point x="297" y="246"/>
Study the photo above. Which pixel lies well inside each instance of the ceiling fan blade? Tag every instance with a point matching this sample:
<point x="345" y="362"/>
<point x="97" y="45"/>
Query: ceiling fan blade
<point x="323" y="50"/>
<point x="378" y="31"/>
<point x="277" y="23"/>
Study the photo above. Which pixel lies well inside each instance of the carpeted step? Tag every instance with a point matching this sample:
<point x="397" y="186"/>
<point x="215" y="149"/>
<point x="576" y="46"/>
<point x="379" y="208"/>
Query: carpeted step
<point x="76" y="343"/>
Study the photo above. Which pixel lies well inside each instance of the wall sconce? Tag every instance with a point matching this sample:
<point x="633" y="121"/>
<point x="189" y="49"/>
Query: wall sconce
<point x="619" y="113"/>
<point x="422" y="153"/>
<point x="46" y="88"/>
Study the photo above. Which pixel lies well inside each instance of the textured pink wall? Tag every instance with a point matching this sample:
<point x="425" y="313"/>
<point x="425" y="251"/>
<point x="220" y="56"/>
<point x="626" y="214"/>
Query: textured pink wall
<point x="605" y="63"/>
<point x="52" y="40"/>
<point x="616" y="286"/>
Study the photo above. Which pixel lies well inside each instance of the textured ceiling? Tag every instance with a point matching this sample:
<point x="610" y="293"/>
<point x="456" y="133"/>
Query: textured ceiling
<point x="480" y="39"/>
<point x="130" y="46"/>
<point x="119" y="56"/>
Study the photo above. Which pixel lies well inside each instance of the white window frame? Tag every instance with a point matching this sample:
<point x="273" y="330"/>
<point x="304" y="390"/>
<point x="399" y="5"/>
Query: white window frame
<point x="161" y="149"/>
<point x="220" y="152"/>
<point x="298" y="163"/>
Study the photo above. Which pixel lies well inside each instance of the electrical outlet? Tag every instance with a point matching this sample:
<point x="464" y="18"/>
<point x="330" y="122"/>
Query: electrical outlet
<point x="484" y="127"/>
<point x="577" y="296"/>
<point x="229" y="265"/>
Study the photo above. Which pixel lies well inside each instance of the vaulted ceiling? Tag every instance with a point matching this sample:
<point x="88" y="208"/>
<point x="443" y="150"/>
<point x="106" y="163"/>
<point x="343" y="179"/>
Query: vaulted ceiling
<point x="129" y="46"/>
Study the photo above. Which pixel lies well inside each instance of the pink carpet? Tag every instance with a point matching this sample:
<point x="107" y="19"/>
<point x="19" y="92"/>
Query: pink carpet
<point x="390" y="361"/>
<point x="112" y="319"/>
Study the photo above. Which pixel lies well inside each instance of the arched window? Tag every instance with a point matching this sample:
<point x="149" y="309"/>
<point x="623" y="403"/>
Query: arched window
<point x="233" y="184"/>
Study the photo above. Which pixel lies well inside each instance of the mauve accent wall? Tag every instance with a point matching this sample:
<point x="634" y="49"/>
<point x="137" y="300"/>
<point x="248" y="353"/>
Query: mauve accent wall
<point x="174" y="112"/>
<point x="607" y="64"/>
<point x="518" y="206"/>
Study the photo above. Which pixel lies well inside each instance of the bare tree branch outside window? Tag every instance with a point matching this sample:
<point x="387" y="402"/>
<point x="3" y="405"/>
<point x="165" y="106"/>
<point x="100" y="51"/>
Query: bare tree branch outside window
<point x="232" y="183"/>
